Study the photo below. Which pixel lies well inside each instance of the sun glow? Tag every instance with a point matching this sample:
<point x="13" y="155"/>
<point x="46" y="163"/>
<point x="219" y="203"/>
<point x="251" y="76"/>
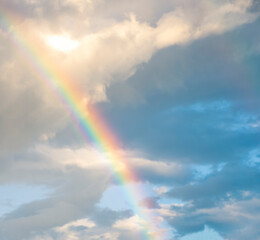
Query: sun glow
<point x="62" y="43"/>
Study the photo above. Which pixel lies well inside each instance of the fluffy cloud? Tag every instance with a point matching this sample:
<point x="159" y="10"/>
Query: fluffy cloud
<point x="70" y="174"/>
<point x="206" y="82"/>
<point x="73" y="195"/>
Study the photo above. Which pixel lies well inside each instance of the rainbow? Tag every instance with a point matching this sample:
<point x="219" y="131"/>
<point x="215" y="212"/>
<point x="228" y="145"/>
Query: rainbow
<point x="90" y="123"/>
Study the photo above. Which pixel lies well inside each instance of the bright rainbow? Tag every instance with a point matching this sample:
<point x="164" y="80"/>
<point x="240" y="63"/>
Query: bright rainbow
<point x="90" y="123"/>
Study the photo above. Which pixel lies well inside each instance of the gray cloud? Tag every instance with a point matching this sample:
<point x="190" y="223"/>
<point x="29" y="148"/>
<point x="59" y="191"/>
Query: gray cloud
<point x="223" y="185"/>
<point x="106" y="217"/>
<point x="226" y="200"/>
<point x="204" y="72"/>
<point x="233" y="219"/>
<point x="74" y="195"/>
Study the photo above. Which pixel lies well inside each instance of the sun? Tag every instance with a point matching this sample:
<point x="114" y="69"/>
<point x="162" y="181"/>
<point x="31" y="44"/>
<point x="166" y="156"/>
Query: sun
<point x="62" y="43"/>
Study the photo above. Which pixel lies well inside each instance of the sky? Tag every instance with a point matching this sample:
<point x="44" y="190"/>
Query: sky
<point x="127" y="120"/>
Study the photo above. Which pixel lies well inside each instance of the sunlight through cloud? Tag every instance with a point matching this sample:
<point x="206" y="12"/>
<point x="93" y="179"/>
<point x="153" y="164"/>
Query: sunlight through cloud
<point x="62" y="43"/>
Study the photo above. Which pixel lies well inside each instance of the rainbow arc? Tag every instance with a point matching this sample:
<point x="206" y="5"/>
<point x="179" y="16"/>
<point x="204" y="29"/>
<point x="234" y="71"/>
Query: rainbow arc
<point x="89" y="121"/>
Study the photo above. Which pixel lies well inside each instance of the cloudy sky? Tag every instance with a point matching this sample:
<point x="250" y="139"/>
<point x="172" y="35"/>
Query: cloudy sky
<point x="176" y="83"/>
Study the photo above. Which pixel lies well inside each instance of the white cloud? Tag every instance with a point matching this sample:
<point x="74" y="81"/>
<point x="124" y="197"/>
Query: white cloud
<point x="158" y="167"/>
<point x="134" y="223"/>
<point x="112" y="53"/>
<point x="67" y="231"/>
<point x="161" y="190"/>
<point x="78" y="223"/>
<point x="104" y="55"/>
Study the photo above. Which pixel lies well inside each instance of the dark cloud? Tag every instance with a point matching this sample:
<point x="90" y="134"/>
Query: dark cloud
<point x="211" y="70"/>
<point x="231" y="182"/>
<point x="227" y="200"/>
<point x="255" y="6"/>
<point x="232" y="219"/>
